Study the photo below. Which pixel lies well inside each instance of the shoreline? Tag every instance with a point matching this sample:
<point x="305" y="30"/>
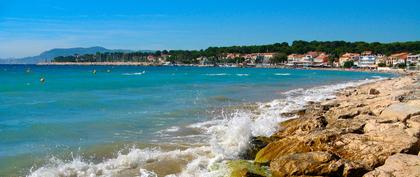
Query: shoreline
<point x="366" y="130"/>
<point x="256" y="142"/>
<point x="394" y="71"/>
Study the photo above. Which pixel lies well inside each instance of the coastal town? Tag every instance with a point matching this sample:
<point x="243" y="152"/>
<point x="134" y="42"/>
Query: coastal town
<point x="313" y="59"/>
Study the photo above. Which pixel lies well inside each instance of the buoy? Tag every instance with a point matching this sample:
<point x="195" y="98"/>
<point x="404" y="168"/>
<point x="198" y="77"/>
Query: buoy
<point x="28" y="70"/>
<point x="42" y="80"/>
<point x="108" y="71"/>
<point x="94" y="71"/>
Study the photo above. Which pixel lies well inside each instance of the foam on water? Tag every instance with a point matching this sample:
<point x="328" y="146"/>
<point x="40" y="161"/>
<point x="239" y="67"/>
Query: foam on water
<point x="282" y="74"/>
<point x="227" y="138"/>
<point x="242" y="74"/>
<point x="217" y="74"/>
<point x="133" y="74"/>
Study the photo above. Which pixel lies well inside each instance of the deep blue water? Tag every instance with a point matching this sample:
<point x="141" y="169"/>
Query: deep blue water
<point x="75" y="108"/>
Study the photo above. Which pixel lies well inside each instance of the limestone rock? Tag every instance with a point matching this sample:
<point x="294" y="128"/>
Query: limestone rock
<point x="400" y="111"/>
<point x="379" y="141"/>
<point x="240" y="168"/>
<point x="373" y="91"/>
<point x="398" y="165"/>
<point x="310" y="163"/>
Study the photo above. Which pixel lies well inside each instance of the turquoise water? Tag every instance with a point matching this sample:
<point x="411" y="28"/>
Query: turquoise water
<point x="75" y="109"/>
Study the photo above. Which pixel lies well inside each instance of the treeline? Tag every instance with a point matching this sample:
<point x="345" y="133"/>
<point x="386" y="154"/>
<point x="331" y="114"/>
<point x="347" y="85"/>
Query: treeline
<point x="216" y="54"/>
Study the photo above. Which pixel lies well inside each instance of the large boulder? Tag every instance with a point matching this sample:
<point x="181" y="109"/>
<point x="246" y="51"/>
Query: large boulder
<point x="310" y="163"/>
<point x="398" y="165"/>
<point x="376" y="144"/>
<point x="400" y="111"/>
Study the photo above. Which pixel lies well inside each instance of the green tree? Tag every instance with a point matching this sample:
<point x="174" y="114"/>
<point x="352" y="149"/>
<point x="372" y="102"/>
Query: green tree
<point x="279" y="58"/>
<point x="348" y="64"/>
<point x="381" y="65"/>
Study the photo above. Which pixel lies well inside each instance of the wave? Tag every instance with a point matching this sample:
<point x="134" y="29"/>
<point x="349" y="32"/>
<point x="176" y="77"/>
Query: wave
<point x="227" y="137"/>
<point x="282" y="74"/>
<point x="217" y="74"/>
<point x="242" y="74"/>
<point x="133" y="74"/>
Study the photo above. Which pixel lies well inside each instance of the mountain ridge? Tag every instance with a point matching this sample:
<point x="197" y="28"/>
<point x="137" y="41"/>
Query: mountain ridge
<point x="55" y="52"/>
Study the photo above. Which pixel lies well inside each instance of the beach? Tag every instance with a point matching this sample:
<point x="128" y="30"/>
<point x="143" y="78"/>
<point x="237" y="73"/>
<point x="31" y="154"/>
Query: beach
<point x="221" y="124"/>
<point x="370" y="130"/>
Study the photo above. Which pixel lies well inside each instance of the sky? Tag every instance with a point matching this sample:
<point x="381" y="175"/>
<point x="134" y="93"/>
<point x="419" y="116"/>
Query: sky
<point x="29" y="27"/>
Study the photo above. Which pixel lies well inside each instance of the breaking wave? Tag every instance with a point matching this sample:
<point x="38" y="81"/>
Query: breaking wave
<point x="282" y="74"/>
<point x="227" y="138"/>
<point x="217" y="74"/>
<point x="133" y="74"/>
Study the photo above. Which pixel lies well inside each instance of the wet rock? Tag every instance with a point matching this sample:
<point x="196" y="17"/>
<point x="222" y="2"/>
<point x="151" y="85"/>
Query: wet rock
<point x="398" y="165"/>
<point x="255" y="145"/>
<point x="373" y="91"/>
<point x="310" y="163"/>
<point x="241" y="168"/>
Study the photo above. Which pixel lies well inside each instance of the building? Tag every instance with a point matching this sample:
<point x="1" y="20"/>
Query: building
<point x="398" y="58"/>
<point x="413" y="59"/>
<point x="382" y="59"/>
<point x="348" y="57"/>
<point x="294" y="59"/>
<point x="232" y="55"/>
<point x="367" y="61"/>
<point x="321" y="60"/>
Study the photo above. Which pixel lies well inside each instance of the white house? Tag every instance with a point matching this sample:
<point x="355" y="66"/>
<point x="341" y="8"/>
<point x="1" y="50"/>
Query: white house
<point x="413" y="59"/>
<point x="367" y="61"/>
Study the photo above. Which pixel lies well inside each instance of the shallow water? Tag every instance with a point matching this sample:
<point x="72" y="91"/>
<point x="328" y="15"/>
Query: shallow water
<point x="123" y="119"/>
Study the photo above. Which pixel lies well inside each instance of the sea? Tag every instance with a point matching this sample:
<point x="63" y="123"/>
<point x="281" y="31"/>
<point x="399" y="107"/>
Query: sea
<point x="147" y="121"/>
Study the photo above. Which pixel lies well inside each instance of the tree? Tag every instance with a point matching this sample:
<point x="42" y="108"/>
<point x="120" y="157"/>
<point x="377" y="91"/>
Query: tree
<point x="279" y="58"/>
<point x="348" y="64"/>
<point x="381" y="65"/>
<point x="401" y="65"/>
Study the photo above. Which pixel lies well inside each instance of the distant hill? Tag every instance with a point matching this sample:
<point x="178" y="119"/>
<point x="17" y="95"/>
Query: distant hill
<point x="51" y="54"/>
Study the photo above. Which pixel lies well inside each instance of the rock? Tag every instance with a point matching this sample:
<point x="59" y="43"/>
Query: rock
<point x="400" y="111"/>
<point x="398" y="165"/>
<point x="329" y="104"/>
<point x="315" y="141"/>
<point x="379" y="141"/>
<point x="301" y="126"/>
<point x="240" y="168"/>
<point x="373" y="91"/>
<point x="347" y="114"/>
<point x="255" y="145"/>
<point x="310" y="163"/>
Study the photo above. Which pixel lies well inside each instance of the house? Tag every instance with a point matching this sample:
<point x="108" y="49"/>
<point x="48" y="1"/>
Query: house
<point x="232" y="55"/>
<point x="151" y="58"/>
<point x="294" y="59"/>
<point x="348" y="57"/>
<point x="380" y="58"/>
<point x="413" y="59"/>
<point x="250" y="58"/>
<point x="367" y="61"/>
<point x="266" y="57"/>
<point x="321" y="60"/>
<point x="398" y="58"/>
<point x="312" y="58"/>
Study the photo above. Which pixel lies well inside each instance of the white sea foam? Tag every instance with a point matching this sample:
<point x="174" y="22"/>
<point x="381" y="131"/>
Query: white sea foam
<point x="217" y="74"/>
<point x="282" y="74"/>
<point x="227" y="138"/>
<point x="242" y="74"/>
<point x="133" y="74"/>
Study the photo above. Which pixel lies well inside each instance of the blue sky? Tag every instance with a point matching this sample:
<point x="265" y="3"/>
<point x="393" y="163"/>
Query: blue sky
<point x="28" y="27"/>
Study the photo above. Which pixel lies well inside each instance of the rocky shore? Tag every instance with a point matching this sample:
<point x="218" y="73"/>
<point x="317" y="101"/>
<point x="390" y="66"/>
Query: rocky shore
<point x="371" y="130"/>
